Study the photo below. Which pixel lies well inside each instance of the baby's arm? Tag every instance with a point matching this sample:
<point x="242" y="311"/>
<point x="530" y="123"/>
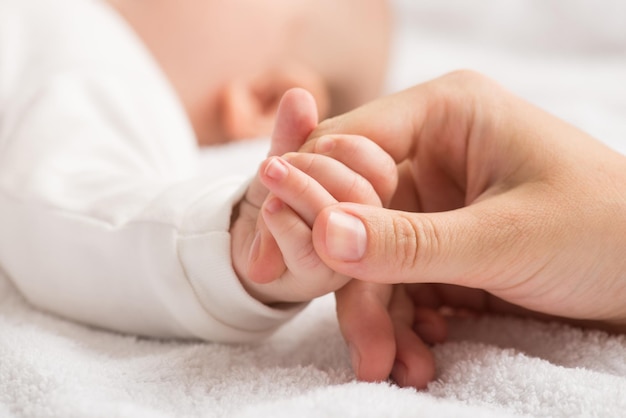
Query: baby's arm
<point x="105" y="220"/>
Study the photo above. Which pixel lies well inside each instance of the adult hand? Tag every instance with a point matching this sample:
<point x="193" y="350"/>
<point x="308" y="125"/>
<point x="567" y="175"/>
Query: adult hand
<point x="494" y="195"/>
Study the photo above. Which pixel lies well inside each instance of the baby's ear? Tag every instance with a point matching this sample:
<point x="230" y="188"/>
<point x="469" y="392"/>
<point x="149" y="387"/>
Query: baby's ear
<point x="248" y="109"/>
<point x="243" y="114"/>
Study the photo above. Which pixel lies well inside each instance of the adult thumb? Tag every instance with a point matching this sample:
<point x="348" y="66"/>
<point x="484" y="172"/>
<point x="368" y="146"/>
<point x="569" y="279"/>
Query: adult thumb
<point x="387" y="246"/>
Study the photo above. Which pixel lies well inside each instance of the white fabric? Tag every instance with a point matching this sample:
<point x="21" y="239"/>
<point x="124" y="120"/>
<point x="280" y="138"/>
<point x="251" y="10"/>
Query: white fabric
<point x="492" y="367"/>
<point x="105" y="218"/>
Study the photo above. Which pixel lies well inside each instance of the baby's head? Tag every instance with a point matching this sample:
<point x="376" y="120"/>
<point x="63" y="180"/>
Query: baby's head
<point x="231" y="60"/>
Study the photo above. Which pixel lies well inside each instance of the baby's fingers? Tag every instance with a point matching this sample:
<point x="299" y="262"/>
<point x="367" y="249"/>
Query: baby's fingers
<point x="296" y="117"/>
<point x="364" y="157"/>
<point x="309" y="277"/>
<point x="308" y="183"/>
<point x="301" y="192"/>
<point x="265" y="261"/>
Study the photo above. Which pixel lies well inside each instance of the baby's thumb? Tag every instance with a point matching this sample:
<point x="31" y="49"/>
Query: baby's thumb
<point x="387" y="246"/>
<point x="296" y="117"/>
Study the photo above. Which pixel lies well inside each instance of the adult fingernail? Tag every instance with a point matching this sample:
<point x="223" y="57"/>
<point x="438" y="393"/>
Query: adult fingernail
<point x="255" y="247"/>
<point x="399" y="373"/>
<point x="276" y="169"/>
<point x="346" y="238"/>
<point x="355" y="358"/>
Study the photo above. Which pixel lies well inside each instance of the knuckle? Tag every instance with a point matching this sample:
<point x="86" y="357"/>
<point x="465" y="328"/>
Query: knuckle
<point x="404" y="242"/>
<point x="306" y="258"/>
<point x="415" y="241"/>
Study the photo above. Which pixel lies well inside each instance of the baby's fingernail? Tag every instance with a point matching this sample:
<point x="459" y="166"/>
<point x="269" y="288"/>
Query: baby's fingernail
<point x="399" y="373"/>
<point x="346" y="238"/>
<point x="255" y="247"/>
<point x="355" y="358"/>
<point x="324" y="145"/>
<point x="276" y="169"/>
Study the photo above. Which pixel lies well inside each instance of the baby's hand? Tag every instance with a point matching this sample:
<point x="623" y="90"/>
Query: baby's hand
<point x="301" y="185"/>
<point x="296" y="118"/>
<point x="273" y="253"/>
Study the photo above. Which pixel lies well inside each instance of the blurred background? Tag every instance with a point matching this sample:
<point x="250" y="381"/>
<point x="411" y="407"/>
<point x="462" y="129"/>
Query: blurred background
<point x="566" y="56"/>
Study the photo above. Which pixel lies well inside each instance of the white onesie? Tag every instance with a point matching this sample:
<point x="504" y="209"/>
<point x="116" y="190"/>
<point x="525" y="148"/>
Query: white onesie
<point x="103" y="216"/>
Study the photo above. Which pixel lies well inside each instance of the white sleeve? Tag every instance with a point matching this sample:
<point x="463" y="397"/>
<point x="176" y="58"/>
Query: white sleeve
<point x="103" y="224"/>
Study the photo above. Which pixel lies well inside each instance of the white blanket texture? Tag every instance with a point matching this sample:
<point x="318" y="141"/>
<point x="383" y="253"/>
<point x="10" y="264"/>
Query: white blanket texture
<point x="567" y="56"/>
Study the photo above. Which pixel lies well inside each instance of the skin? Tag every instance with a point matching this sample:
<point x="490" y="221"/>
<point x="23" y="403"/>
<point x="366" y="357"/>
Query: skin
<point x="276" y="261"/>
<point x="231" y="61"/>
<point x="503" y="209"/>
<point x="499" y="208"/>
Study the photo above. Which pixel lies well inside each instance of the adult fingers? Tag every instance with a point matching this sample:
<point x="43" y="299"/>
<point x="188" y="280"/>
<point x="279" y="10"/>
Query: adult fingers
<point x="397" y="121"/>
<point x="430" y="325"/>
<point x="473" y="246"/>
<point x="389" y="121"/>
<point x="414" y="363"/>
<point x="377" y="322"/>
<point x="367" y="328"/>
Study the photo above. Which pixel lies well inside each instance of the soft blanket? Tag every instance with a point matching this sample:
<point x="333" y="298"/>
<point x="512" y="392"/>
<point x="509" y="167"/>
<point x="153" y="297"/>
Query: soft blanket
<point x="567" y="56"/>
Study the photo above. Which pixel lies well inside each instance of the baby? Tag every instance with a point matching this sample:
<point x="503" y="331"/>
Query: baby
<point x="104" y="218"/>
